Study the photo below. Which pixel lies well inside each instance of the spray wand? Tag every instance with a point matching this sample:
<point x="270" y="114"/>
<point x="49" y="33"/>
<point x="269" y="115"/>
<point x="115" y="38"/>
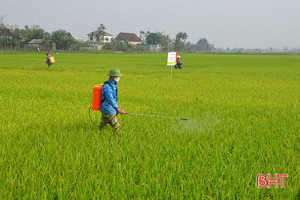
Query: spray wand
<point x="183" y="119"/>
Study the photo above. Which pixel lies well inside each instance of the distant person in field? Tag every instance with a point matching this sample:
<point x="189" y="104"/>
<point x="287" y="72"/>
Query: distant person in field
<point x="109" y="101"/>
<point x="178" y="63"/>
<point x="48" y="60"/>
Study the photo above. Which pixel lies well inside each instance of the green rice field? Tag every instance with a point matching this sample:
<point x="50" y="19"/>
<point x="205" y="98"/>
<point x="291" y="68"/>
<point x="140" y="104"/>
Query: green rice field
<point x="244" y="120"/>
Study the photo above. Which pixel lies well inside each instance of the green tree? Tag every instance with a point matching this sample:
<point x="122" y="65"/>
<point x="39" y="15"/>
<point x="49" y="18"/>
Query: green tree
<point x="203" y="45"/>
<point x="16" y="37"/>
<point x="63" y="39"/>
<point x="153" y="38"/>
<point x="165" y="41"/>
<point x="180" y="40"/>
<point x="101" y="32"/>
<point x="37" y="33"/>
<point x="2" y="25"/>
<point x="48" y="40"/>
<point x="143" y="35"/>
<point x="33" y="32"/>
<point x="5" y="41"/>
<point x="108" y="46"/>
<point x="121" y="46"/>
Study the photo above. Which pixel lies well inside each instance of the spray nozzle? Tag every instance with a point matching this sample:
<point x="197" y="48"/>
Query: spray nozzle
<point x="184" y="119"/>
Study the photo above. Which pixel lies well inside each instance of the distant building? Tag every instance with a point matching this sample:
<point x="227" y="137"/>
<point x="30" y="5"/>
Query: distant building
<point x="36" y="43"/>
<point x="152" y="47"/>
<point x="76" y="38"/>
<point x="131" y="38"/>
<point x="93" y="37"/>
<point x="5" y="32"/>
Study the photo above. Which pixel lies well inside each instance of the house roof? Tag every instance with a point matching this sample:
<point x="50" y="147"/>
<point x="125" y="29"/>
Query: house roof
<point x="5" y="31"/>
<point x="76" y="38"/>
<point x="36" y="41"/>
<point x="95" y="32"/>
<point x="127" y="37"/>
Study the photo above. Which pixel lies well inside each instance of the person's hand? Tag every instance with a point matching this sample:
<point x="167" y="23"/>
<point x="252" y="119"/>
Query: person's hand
<point x="121" y="111"/>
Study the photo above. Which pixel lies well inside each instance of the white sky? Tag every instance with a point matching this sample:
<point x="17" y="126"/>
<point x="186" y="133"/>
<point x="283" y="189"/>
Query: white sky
<point x="225" y="23"/>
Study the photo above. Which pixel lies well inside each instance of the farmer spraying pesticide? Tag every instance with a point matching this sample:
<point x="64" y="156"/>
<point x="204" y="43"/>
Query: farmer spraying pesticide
<point x="105" y="98"/>
<point x="109" y="101"/>
<point x="50" y="60"/>
<point x="178" y="63"/>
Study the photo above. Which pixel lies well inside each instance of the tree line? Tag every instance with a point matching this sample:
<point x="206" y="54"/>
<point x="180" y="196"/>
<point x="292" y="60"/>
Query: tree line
<point x="18" y="38"/>
<point x="160" y="39"/>
<point x="13" y="37"/>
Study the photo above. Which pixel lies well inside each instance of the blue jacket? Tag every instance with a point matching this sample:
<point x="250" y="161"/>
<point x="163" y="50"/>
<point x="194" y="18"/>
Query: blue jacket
<point x="178" y="62"/>
<point x="110" y="104"/>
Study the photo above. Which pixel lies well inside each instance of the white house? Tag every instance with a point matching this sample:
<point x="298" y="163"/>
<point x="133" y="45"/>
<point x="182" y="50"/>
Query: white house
<point x="94" y="37"/>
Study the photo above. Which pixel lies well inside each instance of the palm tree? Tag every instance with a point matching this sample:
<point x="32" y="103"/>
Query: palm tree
<point x="2" y="25"/>
<point x="100" y="33"/>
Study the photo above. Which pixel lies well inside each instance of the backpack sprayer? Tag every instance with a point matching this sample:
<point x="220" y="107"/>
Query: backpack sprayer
<point x="97" y="91"/>
<point x="51" y="59"/>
